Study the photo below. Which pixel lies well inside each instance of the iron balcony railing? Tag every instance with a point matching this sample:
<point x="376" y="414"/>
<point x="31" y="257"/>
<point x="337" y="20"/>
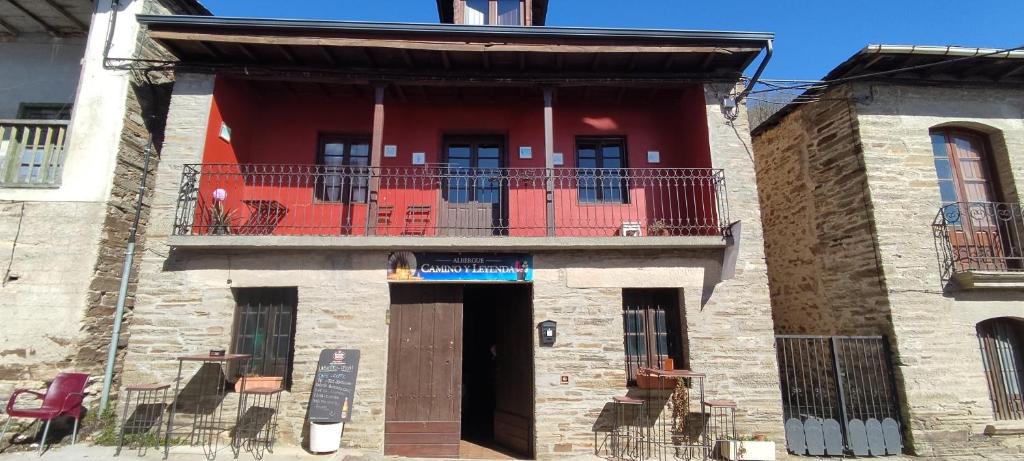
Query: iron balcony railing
<point x="32" y="152"/>
<point x="980" y="236"/>
<point x="313" y="200"/>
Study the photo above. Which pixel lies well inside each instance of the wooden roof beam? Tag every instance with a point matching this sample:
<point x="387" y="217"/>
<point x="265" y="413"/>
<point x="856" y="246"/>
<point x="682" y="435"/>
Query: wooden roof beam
<point x="210" y="50"/>
<point x="407" y="57"/>
<point x="7" y="29"/>
<point x="49" y="27"/>
<point x="287" y="54"/>
<point x="446" y="61"/>
<point x="81" y="26"/>
<point x="1010" y="73"/>
<point x="328" y="56"/>
<point x="248" y="53"/>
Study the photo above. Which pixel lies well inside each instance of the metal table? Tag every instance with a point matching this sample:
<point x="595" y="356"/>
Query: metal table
<point x="667" y="442"/>
<point x="150" y="402"/>
<point x="210" y="389"/>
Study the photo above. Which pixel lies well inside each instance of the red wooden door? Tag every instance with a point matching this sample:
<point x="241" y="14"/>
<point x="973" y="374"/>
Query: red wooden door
<point x="424" y="382"/>
<point x="969" y="199"/>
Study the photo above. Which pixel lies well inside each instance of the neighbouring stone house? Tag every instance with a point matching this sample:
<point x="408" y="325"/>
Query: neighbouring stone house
<point x="430" y="195"/>
<point x="890" y="206"/>
<point x="73" y="129"/>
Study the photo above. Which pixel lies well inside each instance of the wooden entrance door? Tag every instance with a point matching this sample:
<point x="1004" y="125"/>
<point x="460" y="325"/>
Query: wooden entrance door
<point x="473" y="188"/>
<point x="969" y="199"/>
<point x="424" y="383"/>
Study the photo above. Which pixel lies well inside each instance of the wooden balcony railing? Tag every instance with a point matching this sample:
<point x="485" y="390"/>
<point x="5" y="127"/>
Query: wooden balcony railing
<point x="439" y="201"/>
<point x="980" y="236"/>
<point x="32" y="152"/>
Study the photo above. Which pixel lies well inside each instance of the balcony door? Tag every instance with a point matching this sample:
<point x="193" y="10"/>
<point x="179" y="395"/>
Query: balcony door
<point x="474" y="190"/>
<point x="969" y="200"/>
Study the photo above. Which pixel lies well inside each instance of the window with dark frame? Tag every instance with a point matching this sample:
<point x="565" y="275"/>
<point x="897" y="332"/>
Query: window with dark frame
<point x="1002" y="347"/>
<point x="265" y="328"/>
<point x="44" y="111"/>
<point x="653" y="329"/>
<point x="344" y="173"/>
<point x="600" y="164"/>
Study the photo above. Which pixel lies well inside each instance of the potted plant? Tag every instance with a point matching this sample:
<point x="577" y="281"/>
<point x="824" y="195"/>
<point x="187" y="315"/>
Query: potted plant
<point x="256" y="381"/>
<point x="747" y="448"/>
<point x="657" y="228"/>
<point x="220" y="217"/>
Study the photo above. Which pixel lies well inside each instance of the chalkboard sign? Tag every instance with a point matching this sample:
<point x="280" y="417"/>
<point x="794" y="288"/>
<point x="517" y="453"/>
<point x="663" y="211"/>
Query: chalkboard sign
<point x="334" y="387"/>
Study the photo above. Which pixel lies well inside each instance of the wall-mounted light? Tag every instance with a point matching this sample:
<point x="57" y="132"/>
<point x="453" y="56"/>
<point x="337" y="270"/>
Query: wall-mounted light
<point x="525" y="152"/>
<point x="653" y="156"/>
<point x="391" y="151"/>
<point x="419" y="158"/>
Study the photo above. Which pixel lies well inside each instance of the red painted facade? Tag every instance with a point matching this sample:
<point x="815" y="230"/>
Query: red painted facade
<point x="284" y="128"/>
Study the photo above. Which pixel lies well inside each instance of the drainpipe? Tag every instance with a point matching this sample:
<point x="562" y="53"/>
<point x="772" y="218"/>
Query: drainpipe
<point x="122" y="293"/>
<point x="757" y="74"/>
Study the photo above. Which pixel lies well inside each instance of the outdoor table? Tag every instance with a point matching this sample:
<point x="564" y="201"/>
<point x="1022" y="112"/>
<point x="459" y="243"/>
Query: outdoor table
<point x="208" y="413"/>
<point x="685" y="446"/>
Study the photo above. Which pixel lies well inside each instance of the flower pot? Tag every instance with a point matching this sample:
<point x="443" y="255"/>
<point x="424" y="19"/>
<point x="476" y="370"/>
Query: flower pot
<point x="746" y="450"/>
<point x="645" y="380"/>
<point x="258" y="382"/>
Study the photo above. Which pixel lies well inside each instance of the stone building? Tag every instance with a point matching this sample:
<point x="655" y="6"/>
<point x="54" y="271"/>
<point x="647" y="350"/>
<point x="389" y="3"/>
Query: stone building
<point x="73" y="129"/>
<point x="891" y="210"/>
<point x="431" y="195"/>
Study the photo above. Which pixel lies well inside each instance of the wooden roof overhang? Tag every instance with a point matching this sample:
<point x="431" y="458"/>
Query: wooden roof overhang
<point x="445" y="54"/>
<point x="920" y="65"/>
<point x="58" y="18"/>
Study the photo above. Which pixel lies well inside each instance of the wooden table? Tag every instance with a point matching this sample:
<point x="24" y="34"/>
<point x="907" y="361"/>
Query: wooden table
<point x="208" y="413"/>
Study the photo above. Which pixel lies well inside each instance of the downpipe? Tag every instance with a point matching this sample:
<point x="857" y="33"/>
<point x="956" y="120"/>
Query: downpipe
<point x="122" y="293"/>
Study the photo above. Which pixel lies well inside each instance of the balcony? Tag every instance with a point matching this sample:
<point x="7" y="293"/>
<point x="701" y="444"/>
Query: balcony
<point x="979" y="244"/>
<point x="32" y="152"/>
<point x="430" y="203"/>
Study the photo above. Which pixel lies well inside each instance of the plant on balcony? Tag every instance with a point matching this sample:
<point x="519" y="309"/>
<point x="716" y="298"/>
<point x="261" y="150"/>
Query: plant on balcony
<point x="220" y="216"/>
<point x="657" y="228"/>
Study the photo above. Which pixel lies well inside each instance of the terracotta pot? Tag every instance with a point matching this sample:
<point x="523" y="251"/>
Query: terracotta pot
<point x="646" y="381"/>
<point x="259" y="382"/>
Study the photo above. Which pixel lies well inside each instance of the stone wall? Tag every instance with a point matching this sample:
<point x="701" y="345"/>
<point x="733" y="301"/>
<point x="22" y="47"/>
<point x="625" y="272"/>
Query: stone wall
<point x="819" y="240"/>
<point x="947" y="395"/>
<point x="185" y="305"/>
<point x="849" y="194"/>
<point x="144" y="118"/>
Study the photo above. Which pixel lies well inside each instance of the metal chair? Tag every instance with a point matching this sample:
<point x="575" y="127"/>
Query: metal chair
<point x="63" y="397"/>
<point x="627" y="435"/>
<point x="150" y="403"/>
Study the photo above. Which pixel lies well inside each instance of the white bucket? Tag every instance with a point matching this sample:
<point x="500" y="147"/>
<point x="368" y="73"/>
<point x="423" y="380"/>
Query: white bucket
<point x="325" y="437"/>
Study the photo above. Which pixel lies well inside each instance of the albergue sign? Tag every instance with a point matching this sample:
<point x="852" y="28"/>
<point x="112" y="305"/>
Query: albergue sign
<point x="405" y="266"/>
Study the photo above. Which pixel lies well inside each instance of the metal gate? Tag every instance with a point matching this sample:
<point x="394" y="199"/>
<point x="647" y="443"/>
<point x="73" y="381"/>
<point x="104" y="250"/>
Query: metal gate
<point x="839" y="396"/>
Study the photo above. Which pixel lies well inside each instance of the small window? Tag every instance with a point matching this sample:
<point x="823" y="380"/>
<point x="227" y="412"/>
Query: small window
<point x="44" y="112"/>
<point x="1002" y="346"/>
<point x="265" y="328"/>
<point x="32" y="152"/>
<point x="344" y="169"/>
<point x="652" y="329"/>
<point x="601" y="173"/>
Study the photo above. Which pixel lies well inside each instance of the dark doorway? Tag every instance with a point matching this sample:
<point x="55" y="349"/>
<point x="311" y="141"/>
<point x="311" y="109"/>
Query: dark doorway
<point x="497" y="373"/>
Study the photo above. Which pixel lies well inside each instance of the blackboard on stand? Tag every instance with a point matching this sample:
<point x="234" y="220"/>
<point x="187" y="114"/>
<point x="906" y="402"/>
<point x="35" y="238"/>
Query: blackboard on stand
<point x="334" y="387"/>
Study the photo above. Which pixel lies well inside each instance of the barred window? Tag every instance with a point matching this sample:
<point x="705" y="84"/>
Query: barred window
<point x="653" y="329"/>
<point x="1002" y="345"/>
<point x="265" y="328"/>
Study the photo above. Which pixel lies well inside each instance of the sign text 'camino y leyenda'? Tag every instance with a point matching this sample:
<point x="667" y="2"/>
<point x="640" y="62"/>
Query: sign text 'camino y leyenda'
<point x="404" y="266"/>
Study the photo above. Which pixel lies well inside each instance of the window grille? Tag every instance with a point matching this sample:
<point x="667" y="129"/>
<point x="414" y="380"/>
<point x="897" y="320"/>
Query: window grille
<point x="652" y="329"/>
<point x="265" y="328"/>
<point x="1001" y="350"/>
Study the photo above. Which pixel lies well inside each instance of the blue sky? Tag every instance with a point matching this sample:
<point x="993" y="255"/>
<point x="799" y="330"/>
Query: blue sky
<point x="812" y="36"/>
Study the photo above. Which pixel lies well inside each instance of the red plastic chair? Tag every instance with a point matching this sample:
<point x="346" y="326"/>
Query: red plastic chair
<point x="63" y="397"/>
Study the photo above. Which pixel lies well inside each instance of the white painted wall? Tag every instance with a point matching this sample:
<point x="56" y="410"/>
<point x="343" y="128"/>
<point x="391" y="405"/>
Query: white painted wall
<point x="38" y="69"/>
<point x="97" y="120"/>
